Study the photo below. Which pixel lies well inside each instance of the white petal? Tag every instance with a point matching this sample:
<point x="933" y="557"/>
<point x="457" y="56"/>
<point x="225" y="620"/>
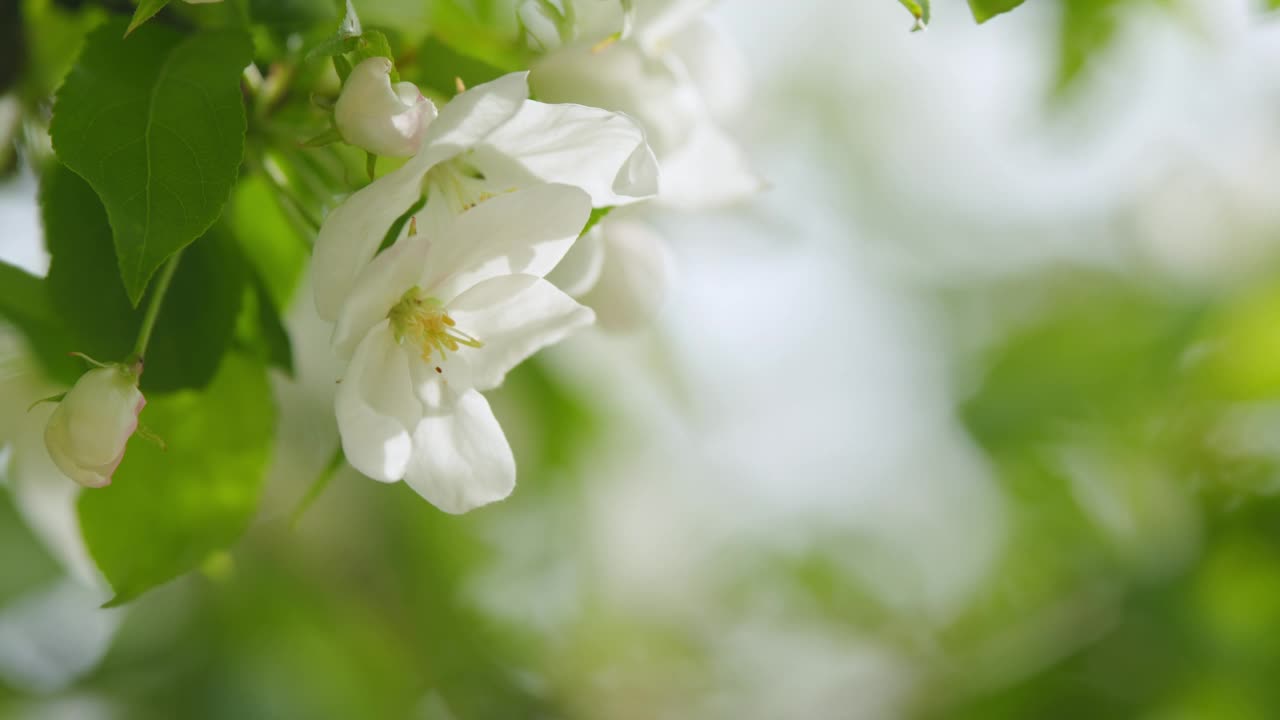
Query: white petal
<point x="437" y="380"/>
<point x="461" y="459"/>
<point x="709" y="171"/>
<point x="599" y="151"/>
<point x="378" y="288"/>
<point x="51" y="637"/>
<point x="715" y="65"/>
<point x="580" y="269"/>
<point x="471" y="116"/>
<point x="376" y="407"/>
<point x="595" y="20"/>
<point x="47" y="502"/>
<point x="352" y="233"/>
<point x="636" y="277"/>
<point x="527" y="231"/>
<point x="623" y="78"/>
<point x="514" y="316"/>
<point x="376" y="117"/>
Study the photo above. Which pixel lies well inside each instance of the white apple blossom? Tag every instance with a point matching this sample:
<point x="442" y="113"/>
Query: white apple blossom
<point x="433" y="321"/>
<point x="89" y="428"/>
<point x="666" y="65"/>
<point x="375" y="115"/>
<point x="487" y="141"/>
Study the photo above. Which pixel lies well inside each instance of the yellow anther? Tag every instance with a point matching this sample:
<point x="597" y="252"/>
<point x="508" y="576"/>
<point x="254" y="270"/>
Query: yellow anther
<point x="424" y="321"/>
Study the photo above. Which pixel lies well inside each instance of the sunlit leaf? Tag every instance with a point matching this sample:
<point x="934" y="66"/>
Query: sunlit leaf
<point x="146" y="10"/>
<point x="919" y="10"/>
<point x="984" y="10"/>
<point x="156" y="124"/>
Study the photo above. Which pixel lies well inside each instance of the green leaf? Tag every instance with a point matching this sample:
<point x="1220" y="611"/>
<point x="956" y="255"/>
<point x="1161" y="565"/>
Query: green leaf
<point x="1087" y="28"/>
<point x="169" y="510"/>
<point x="984" y="10"/>
<point x="196" y="321"/>
<point x="919" y="10"/>
<point x="334" y="45"/>
<point x="374" y="44"/>
<point x="274" y="249"/>
<point x="146" y="9"/>
<point x="24" y="302"/>
<point x="198" y="318"/>
<point x="276" y="255"/>
<point x="156" y="124"/>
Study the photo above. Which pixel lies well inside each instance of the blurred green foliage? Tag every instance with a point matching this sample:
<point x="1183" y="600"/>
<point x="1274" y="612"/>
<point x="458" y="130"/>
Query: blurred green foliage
<point x="1140" y="576"/>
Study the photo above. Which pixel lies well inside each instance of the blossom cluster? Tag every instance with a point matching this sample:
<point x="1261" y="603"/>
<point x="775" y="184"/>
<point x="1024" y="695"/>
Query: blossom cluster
<point x="489" y="241"/>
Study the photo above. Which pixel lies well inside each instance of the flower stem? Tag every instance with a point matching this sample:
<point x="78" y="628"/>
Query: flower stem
<point x="153" y="306"/>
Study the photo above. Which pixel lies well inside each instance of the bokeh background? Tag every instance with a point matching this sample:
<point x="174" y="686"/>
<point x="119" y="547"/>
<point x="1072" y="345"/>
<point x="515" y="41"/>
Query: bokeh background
<point x="972" y="414"/>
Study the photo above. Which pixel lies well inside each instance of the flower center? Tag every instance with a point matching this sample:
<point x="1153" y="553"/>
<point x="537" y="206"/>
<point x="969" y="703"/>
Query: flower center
<point x="424" y="321"/>
<point x="462" y="186"/>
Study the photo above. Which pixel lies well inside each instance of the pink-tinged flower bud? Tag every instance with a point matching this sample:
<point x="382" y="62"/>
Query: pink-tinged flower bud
<point x="377" y="116"/>
<point x="87" y="432"/>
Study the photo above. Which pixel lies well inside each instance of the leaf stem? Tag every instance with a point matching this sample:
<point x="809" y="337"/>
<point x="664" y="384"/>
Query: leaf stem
<point x="153" y="306"/>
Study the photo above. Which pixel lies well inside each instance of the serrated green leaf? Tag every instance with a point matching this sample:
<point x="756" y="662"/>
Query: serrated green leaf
<point x="168" y="510"/>
<point x="984" y="10"/>
<point x="146" y="10"/>
<point x="195" y="323"/>
<point x="919" y="10"/>
<point x="156" y="124"/>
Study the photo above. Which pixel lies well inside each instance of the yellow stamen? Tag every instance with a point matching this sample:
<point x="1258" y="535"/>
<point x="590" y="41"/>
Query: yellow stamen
<point x="424" y="321"/>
